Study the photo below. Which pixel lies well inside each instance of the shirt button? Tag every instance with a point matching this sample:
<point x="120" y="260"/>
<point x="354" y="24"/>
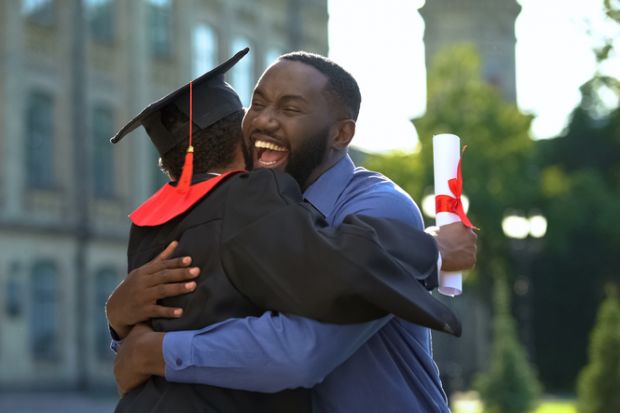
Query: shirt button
<point x="179" y="362"/>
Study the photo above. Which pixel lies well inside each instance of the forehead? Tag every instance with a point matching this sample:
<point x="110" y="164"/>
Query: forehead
<point x="291" y="78"/>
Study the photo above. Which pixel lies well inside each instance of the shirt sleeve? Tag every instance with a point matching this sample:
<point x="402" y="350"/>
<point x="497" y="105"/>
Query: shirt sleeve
<point x="397" y="205"/>
<point x="275" y="351"/>
<point x="269" y="353"/>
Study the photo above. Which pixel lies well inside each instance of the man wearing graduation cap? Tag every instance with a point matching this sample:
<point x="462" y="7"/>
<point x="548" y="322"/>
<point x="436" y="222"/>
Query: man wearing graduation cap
<point x="226" y="220"/>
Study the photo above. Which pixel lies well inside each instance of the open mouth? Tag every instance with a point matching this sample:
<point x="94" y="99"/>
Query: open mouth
<point x="268" y="154"/>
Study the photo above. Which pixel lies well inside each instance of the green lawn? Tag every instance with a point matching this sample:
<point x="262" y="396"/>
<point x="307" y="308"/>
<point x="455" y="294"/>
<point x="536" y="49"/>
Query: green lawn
<point x="556" y="407"/>
<point x="548" y="406"/>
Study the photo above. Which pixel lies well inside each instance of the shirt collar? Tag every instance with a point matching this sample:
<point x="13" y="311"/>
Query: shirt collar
<point x="325" y="191"/>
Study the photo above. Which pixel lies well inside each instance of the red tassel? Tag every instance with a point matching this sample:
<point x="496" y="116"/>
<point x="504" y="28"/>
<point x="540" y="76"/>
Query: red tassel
<point x="188" y="170"/>
<point x="188" y="167"/>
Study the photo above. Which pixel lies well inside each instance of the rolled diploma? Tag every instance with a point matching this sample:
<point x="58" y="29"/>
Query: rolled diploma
<point x="446" y="156"/>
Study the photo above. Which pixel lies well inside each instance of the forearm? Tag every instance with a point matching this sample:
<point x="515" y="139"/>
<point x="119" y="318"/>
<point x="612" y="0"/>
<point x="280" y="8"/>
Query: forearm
<point x="150" y="358"/>
<point x="267" y="354"/>
<point x="139" y="357"/>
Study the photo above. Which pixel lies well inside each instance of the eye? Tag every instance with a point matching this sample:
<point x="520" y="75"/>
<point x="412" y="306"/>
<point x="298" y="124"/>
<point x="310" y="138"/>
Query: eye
<point x="291" y="109"/>
<point x="257" y="105"/>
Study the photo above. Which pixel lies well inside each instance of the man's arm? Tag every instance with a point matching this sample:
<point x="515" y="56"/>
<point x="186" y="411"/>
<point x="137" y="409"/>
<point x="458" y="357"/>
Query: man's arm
<point x="284" y="352"/>
<point x="351" y="273"/>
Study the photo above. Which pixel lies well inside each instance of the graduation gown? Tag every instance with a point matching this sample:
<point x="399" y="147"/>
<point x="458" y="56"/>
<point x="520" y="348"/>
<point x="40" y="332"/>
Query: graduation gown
<point x="261" y="247"/>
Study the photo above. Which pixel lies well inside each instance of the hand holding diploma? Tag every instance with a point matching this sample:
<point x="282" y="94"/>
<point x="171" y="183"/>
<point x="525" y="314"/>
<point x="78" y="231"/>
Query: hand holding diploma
<point x="449" y="210"/>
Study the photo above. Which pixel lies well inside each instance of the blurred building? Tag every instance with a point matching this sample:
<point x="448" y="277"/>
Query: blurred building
<point x="490" y="26"/>
<point x="72" y="72"/>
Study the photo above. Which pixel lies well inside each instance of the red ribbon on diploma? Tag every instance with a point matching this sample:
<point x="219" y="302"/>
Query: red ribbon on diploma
<point x="447" y="203"/>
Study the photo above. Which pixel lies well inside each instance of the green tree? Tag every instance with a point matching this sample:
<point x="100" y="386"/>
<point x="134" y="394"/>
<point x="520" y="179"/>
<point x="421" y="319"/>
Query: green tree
<point x="510" y="385"/>
<point x="599" y="382"/>
<point x="580" y="195"/>
<point x="497" y="167"/>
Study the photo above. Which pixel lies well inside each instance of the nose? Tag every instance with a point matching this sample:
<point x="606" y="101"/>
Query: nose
<point x="265" y="119"/>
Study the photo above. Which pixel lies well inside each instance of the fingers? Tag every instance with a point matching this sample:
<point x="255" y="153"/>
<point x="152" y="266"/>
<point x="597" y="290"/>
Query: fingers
<point x="432" y="230"/>
<point x="157" y="311"/>
<point x="173" y="289"/>
<point x="180" y="262"/>
<point x="167" y="251"/>
<point x="177" y="275"/>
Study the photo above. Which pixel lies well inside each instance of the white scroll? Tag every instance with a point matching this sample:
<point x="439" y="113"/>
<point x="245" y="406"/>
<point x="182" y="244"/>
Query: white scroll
<point x="446" y="157"/>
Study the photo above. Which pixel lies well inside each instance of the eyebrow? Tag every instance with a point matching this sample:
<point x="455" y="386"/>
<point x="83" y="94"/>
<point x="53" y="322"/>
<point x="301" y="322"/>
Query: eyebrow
<point x="258" y="92"/>
<point x="295" y="98"/>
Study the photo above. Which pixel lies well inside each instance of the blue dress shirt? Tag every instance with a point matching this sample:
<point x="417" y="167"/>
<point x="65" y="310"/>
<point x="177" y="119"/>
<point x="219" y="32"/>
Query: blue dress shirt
<point x="381" y="366"/>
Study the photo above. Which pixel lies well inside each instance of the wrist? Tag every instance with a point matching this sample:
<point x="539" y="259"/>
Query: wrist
<point x="151" y="356"/>
<point x="119" y="332"/>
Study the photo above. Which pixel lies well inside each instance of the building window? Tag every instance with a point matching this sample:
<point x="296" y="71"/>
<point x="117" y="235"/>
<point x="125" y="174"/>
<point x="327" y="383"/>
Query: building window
<point x="242" y="74"/>
<point x="14" y="299"/>
<point x="103" y="157"/>
<point x="44" y="331"/>
<point x="40" y="140"/>
<point x="100" y="15"/>
<point x="105" y="282"/>
<point x="160" y="27"/>
<point x="39" y="11"/>
<point x="205" y="49"/>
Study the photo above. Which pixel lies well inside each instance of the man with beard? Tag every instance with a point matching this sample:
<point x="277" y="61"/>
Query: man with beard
<point x="302" y="119"/>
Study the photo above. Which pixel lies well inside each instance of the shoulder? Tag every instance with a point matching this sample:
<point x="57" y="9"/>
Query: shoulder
<point x="264" y="187"/>
<point x="372" y="193"/>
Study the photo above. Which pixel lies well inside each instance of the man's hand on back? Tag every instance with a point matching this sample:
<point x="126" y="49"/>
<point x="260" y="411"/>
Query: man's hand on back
<point x="135" y="299"/>
<point x="139" y="358"/>
<point x="457" y="246"/>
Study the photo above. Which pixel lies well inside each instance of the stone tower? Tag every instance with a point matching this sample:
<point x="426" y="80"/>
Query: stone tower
<point x="489" y="24"/>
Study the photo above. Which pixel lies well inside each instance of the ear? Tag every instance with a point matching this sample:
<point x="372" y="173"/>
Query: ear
<point x="342" y="133"/>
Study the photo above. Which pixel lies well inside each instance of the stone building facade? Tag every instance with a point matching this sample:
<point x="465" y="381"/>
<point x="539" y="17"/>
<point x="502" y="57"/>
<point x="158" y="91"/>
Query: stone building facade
<point x="72" y="72"/>
<point x="488" y="24"/>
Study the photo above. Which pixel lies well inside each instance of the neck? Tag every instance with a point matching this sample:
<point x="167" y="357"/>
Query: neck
<point x="330" y="161"/>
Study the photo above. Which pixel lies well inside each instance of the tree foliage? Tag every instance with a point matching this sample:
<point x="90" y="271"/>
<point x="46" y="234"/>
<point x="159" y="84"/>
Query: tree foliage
<point x="598" y="385"/>
<point x="580" y="194"/>
<point x="574" y="180"/>
<point x="510" y="385"/>
<point x="497" y="167"/>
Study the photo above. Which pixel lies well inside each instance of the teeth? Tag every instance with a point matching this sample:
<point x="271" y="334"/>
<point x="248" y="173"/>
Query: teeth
<point x="269" y="145"/>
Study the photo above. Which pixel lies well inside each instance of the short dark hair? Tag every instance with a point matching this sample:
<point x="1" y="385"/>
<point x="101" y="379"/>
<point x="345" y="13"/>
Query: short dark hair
<point x="340" y="83"/>
<point x="214" y="147"/>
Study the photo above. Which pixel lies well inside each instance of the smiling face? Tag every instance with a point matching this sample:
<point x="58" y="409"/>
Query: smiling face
<point x="291" y="122"/>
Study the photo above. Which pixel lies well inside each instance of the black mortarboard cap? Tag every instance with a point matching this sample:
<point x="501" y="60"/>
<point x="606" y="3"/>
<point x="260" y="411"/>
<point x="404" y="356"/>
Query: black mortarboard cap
<point x="213" y="100"/>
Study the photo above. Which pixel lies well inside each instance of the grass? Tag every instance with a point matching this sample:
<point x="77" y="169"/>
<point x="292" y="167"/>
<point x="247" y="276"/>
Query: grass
<point x="556" y="407"/>
<point x="469" y="405"/>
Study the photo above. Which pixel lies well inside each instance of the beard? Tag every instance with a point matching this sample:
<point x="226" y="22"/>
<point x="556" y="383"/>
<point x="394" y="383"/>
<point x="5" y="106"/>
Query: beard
<point x="307" y="157"/>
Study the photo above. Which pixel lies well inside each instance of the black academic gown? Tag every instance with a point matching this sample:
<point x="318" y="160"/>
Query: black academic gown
<point x="260" y="247"/>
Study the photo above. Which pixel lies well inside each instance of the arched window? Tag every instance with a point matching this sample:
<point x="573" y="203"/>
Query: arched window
<point x="100" y="15"/>
<point x="39" y="130"/>
<point x="271" y="56"/>
<point x="205" y="49"/>
<point x="39" y="11"/>
<point x="242" y="74"/>
<point x="45" y="302"/>
<point x="105" y="282"/>
<point x="160" y="27"/>
<point x="103" y="158"/>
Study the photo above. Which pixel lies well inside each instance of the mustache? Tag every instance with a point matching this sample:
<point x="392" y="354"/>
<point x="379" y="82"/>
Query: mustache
<point x="258" y="134"/>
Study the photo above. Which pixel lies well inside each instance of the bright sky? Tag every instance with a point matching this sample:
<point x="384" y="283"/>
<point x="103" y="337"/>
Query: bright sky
<point x="553" y="59"/>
